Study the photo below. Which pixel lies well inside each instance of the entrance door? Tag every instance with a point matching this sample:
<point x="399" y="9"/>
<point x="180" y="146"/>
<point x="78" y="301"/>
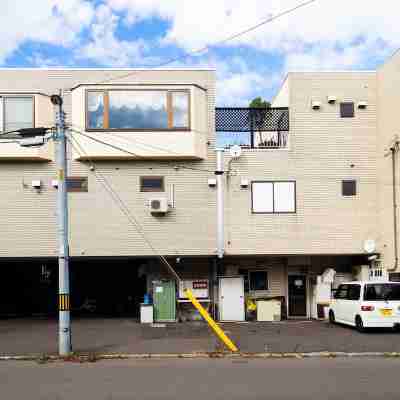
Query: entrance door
<point x="231" y="299"/>
<point x="297" y="292"/>
<point x="164" y="299"/>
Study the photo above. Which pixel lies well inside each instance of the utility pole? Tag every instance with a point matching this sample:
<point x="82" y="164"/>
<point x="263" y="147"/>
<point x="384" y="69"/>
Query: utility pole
<point x="64" y="327"/>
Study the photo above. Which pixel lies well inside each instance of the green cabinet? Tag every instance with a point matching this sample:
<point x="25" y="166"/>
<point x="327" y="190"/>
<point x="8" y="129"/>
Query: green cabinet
<point x="164" y="301"/>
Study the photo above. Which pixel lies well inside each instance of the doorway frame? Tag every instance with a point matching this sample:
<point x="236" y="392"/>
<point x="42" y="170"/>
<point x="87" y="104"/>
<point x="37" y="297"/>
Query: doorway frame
<point x="307" y="279"/>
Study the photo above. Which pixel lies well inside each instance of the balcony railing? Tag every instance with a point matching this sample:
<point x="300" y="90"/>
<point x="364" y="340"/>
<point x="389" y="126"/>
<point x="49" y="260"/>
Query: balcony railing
<point x="263" y="128"/>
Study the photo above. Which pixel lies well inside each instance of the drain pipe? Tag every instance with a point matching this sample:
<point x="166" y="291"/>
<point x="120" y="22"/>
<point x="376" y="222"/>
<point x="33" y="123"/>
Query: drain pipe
<point x="394" y="150"/>
<point x="219" y="172"/>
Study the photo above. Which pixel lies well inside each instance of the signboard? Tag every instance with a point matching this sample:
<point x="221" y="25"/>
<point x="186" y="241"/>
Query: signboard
<point x="199" y="287"/>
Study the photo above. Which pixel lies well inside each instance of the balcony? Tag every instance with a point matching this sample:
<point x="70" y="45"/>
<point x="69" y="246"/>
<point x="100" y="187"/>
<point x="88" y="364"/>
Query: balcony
<point x="253" y="128"/>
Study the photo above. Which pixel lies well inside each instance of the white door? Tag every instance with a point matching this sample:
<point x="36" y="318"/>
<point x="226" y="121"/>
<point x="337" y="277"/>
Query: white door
<point x="231" y="299"/>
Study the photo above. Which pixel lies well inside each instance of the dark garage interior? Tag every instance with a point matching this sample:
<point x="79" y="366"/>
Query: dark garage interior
<point x="106" y="288"/>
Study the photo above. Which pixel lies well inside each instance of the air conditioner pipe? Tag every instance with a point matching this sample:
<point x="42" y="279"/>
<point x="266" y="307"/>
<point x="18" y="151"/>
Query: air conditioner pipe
<point x="219" y="173"/>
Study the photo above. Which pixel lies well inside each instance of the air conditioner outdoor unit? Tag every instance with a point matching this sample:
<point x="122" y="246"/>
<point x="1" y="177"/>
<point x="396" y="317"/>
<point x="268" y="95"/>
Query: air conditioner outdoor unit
<point x="159" y="205"/>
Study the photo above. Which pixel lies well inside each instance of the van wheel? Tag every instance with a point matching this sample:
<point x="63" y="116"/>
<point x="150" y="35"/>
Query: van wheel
<point x="331" y="317"/>
<point x="359" y="324"/>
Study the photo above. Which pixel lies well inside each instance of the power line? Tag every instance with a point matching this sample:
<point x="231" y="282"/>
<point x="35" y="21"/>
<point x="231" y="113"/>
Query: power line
<point x="123" y="207"/>
<point x="217" y="43"/>
<point x="137" y="156"/>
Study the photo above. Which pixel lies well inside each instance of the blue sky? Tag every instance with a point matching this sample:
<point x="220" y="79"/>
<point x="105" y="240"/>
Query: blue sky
<point x="326" y="35"/>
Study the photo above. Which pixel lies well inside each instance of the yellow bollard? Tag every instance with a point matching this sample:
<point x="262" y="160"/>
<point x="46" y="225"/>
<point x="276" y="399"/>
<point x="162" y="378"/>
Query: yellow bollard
<point x="219" y="332"/>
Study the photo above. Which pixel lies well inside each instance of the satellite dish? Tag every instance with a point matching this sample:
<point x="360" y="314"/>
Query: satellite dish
<point x="369" y="245"/>
<point x="235" y="151"/>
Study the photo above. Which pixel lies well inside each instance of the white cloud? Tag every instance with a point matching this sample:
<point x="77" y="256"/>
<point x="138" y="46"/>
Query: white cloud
<point x="49" y="21"/>
<point x="332" y="24"/>
<point x="105" y="48"/>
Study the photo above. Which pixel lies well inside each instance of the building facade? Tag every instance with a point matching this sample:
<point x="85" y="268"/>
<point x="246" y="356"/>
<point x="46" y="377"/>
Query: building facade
<point x="301" y="201"/>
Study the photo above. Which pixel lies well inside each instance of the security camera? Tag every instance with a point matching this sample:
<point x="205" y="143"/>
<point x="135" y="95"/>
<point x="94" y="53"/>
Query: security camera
<point x="92" y="168"/>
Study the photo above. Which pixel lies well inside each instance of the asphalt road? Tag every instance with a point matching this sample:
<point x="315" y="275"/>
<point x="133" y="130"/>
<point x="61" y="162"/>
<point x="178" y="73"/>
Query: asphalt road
<point x="309" y="379"/>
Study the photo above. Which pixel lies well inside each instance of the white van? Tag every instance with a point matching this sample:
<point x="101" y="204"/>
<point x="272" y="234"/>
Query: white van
<point x="368" y="304"/>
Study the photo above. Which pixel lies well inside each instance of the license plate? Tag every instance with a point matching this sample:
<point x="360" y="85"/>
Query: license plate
<point x="386" y="312"/>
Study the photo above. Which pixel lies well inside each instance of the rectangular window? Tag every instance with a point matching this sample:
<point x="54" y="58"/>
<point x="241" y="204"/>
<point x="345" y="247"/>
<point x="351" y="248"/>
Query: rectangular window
<point x="17" y="112"/>
<point x="341" y="292"/>
<point x="382" y="291"/>
<point x="354" y="292"/>
<point x="347" y="110"/>
<point x="349" y="188"/>
<point x="137" y="110"/>
<point x="152" y="184"/>
<point x="258" y="280"/>
<point x="77" y="184"/>
<point x="274" y="197"/>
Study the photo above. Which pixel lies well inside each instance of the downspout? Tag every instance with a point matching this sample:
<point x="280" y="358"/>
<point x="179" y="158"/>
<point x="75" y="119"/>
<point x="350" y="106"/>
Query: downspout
<point x="393" y="150"/>
<point x="219" y="173"/>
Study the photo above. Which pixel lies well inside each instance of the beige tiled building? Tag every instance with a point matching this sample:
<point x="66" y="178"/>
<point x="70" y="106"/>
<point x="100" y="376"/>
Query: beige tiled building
<point x="298" y="201"/>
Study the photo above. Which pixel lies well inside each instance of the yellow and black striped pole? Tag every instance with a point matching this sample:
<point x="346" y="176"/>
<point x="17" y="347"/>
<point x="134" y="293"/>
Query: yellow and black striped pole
<point x="64" y="302"/>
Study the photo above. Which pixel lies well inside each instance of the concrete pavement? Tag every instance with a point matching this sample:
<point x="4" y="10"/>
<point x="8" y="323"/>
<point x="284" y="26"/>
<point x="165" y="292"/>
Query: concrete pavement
<point x="311" y="379"/>
<point x="36" y="336"/>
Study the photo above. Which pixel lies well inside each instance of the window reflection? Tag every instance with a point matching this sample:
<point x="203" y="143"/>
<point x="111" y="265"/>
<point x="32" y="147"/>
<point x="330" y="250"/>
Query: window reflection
<point x="138" y="110"/>
<point x="180" y="104"/>
<point x="95" y="110"/>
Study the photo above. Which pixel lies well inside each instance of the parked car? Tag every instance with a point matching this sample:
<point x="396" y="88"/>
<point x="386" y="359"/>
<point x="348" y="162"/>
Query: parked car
<point x="369" y="304"/>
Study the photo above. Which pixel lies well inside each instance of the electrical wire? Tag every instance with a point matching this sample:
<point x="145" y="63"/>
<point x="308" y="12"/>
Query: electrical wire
<point x="217" y="43"/>
<point x="137" y="156"/>
<point x="122" y="205"/>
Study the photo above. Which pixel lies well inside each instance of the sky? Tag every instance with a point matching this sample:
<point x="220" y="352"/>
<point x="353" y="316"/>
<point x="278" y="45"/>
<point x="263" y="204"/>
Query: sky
<point x="326" y="35"/>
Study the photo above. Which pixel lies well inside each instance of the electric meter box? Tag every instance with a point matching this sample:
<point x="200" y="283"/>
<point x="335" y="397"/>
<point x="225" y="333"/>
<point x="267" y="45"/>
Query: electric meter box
<point x="199" y="288"/>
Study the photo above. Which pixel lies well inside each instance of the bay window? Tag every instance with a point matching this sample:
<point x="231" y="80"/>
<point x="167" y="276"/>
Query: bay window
<point x="16" y="112"/>
<point x="137" y="110"/>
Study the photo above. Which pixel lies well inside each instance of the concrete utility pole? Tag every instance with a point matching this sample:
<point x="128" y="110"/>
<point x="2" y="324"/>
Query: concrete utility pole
<point x="64" y="328"/>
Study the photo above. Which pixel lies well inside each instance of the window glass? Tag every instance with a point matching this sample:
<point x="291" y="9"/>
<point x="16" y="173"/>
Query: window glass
<point x="95" y="109"/>
<point x="274" y="197"/>
<point x="180" y="109"/>
<point x="341" y="292"/>
<point x="151" y="184"/>
<point x="262" y="196"/>
<point x="284" y="197"/>
<point x="349" y="188"/>
<point x="18" y="113"/>
<point x="347" y="110"/>
<point x="258" y="280"/>
<point x="382" y="291"/>
<point x="138" y="109"/>
<point x="354" y="292"/>
<point x="77" y="184"/>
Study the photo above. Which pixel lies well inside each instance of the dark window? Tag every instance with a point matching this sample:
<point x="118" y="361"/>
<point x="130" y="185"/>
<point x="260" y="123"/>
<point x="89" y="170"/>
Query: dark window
<point x="77" y="184"/>
<point x="152" y="184"/>
<point x="349" y="188"/>
<point x="258" y="280"/>
<point x="341" y="292"/>
<point x="347" y="110"/>
<point x="354" y="292"/>
<point x="382" y="291"/>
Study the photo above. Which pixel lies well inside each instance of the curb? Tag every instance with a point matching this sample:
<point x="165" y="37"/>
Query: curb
<point x="146" y="356"/>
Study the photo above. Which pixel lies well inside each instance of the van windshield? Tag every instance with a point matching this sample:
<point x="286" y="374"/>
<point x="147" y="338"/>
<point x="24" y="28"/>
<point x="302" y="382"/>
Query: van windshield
<point x="382" y="291"/>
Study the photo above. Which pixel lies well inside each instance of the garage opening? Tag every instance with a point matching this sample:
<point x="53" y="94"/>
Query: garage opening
<point x="107" y="288"/>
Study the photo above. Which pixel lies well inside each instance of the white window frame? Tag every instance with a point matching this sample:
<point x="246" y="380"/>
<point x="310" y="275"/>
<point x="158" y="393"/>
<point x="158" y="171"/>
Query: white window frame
<point x="3" y="107"/>
<point x="273" y="209"/>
